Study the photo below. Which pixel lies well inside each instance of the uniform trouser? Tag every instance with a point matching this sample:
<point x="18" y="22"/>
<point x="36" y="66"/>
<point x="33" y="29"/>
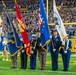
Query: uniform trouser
<point x="14" y="60"/>
<point x="42" y="58"/>
<point x="1" y="45"/>
<point x="33" y="61"/>
<point x="54" y="56"/>
<point x="66" y="59"/>
<point x="23" y="57"/>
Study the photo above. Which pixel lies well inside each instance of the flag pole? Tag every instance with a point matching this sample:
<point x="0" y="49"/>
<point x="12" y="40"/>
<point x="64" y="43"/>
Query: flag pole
<point x="47" y="9"/>
<point x="3" y="4"/>
<point x="15" y="1"/>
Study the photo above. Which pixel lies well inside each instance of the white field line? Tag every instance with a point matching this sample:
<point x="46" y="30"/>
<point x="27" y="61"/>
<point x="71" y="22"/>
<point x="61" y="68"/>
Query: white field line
<point x="61" y="72"/>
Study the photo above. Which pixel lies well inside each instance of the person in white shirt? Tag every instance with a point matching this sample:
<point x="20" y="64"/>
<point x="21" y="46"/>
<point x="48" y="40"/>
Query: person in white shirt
<point x="5" y="49"/>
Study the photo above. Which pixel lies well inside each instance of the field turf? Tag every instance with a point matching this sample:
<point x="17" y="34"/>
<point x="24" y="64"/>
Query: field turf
<point x="5" y="67"/>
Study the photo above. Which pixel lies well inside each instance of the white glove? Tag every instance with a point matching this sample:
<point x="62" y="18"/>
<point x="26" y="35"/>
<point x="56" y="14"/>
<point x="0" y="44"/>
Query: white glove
<point x="32" y="52"/>
<point x="22" y="51"/>
<point x="25" y="45"/>
<point x="65" y="51"/>
<point x="54" y="50"/>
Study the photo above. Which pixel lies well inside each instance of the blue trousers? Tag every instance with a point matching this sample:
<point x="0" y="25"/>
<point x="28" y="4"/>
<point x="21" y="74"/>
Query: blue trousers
<point x="0" y="45"/>
<point x="33" y="61"/>
<point x="54" y="56"/>
<point x="66" y="59"/>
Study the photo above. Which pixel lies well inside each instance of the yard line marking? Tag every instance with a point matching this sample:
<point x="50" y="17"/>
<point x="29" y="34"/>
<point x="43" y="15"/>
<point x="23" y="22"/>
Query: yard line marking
<point x="41" y="70"/>
<point x="59" y="72"/>
<point x="4" y="68"/>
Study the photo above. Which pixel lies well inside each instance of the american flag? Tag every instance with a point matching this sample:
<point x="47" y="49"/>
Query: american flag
<point x="43" y="25"/>
<point x="39" y="18"/>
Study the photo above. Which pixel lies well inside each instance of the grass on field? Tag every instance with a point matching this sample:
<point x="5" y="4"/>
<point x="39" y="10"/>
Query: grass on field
<point x="5" y="67"/>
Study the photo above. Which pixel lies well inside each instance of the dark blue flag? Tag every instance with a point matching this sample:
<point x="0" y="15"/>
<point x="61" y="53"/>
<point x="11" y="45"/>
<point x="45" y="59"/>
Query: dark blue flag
<point x="14" y="42"/>
<point x="13" y="38"/>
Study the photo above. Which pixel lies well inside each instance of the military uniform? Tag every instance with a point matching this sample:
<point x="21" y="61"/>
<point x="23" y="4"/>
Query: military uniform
<point x="33" y="53"/>
<point x="66" y="52"/>
<point x="41" y="54"/>
<point x="23" y="57"/>
<point x="54" y="46"/>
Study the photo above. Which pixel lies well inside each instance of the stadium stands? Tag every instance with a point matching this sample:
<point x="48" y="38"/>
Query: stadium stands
<point x="30" y="16"/>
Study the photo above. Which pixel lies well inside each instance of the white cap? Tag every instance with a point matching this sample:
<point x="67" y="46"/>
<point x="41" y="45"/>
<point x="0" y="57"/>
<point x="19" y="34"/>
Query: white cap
<point x="33" y="35"/>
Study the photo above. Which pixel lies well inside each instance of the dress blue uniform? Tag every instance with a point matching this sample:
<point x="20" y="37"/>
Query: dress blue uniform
<point x="33" y="53"/>
<point x="66" y="52"/>
<point x="54" y="46"/>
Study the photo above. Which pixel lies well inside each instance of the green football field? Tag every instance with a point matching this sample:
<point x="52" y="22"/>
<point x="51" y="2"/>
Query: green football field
<point x="5" y="67"/>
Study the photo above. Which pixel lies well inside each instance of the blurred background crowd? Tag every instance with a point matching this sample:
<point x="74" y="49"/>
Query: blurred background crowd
<point x="29" y="10"/>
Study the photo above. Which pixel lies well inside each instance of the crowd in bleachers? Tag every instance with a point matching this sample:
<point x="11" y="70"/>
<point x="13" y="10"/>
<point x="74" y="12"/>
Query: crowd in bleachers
<point x="66" y="15"/>
<point x="71" y="30"/>
<point x="34" y="4"/>
<point x="65" y="2"/>
<point x="31" y="24"/>
<point x="29" y="4"/>
<point x="31" y="18"/>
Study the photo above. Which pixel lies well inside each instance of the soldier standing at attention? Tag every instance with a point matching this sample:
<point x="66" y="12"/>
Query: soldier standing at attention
<point x="66" y="52"/>
<point x="41" y="54"/>
<point x="23" y="55"/>
<point x="33" y="52"/>
<point x="54" y="46"/>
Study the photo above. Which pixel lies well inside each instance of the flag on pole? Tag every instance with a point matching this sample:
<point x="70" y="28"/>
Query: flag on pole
<point x="58" y="22"/>
<point x="13" y="39"/>
<point x="45" y="36"/>
<point x="22" y="29"/>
